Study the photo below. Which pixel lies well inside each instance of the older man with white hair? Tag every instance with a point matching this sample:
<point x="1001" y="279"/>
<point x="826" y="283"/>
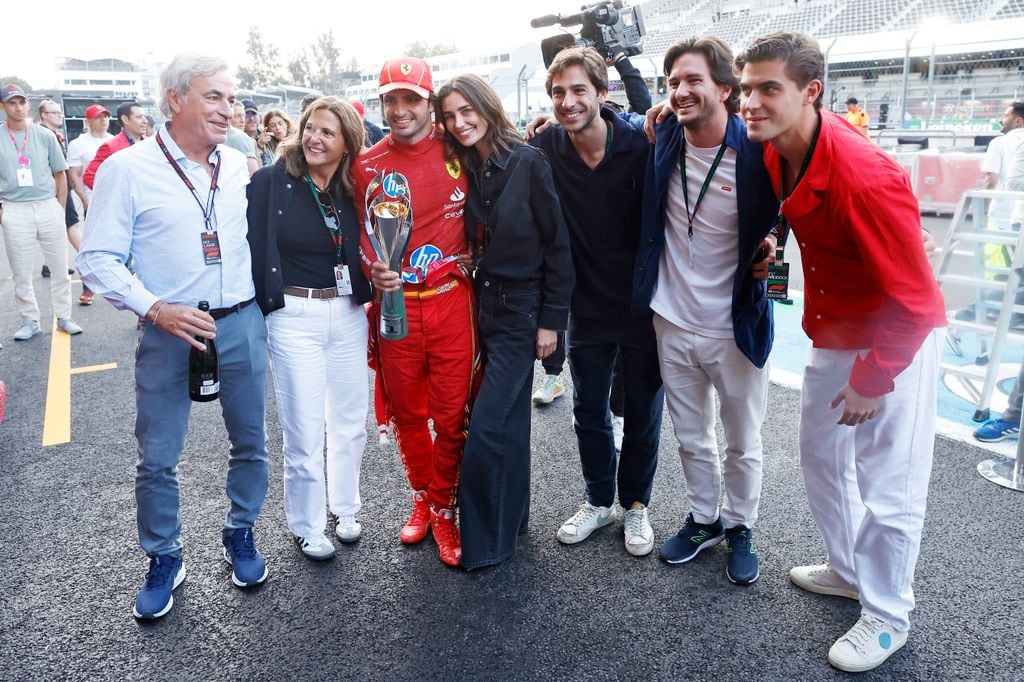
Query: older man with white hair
<point x="175" y="204"/>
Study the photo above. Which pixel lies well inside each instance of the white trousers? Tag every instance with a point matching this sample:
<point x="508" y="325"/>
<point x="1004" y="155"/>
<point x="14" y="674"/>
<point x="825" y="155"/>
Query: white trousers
<point x="693" y="369"/>
<point x="318" y="358"/>
<point x="867" y="485"/>
<point x="25" y="224"/>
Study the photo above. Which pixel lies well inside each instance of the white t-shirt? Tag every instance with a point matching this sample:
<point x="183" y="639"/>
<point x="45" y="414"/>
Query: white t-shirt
<point x="696" y="274"/>
<point x="81" y="151"/>
<point x="999" y="159"/>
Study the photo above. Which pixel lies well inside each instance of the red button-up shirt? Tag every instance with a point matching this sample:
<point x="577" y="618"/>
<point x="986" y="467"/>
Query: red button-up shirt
<point x="867" y="282"/>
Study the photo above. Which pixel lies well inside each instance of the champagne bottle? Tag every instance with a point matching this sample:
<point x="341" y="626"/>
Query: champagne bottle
<point x="203" y="375"/>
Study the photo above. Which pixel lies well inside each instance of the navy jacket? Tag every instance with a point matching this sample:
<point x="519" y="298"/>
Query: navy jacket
<point x="758" y="208"/>
<point x="270" y="192"/>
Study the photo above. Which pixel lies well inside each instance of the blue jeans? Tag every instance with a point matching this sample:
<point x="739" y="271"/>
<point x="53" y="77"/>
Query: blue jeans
<point x="162" y="403"/>
<point x="593" y="347"/>
<point x="494" y="486"/>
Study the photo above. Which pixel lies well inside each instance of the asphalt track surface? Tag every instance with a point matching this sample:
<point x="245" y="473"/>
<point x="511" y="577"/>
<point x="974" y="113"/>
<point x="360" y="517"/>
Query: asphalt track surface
<point x="70" y="564"/>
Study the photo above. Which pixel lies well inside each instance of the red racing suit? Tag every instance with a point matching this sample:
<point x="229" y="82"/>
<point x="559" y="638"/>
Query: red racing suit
<point x="429" y="374"/>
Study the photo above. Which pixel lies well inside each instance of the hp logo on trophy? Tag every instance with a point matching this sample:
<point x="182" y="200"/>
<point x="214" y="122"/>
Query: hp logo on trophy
<point x="389" y="225"/>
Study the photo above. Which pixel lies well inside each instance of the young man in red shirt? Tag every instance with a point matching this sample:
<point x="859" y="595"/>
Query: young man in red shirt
<point x="428" y="374"/>
<point x="871" y="309"/>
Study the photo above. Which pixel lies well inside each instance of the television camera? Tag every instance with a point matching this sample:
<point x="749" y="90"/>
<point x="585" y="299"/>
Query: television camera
<point x="609" y="27"/>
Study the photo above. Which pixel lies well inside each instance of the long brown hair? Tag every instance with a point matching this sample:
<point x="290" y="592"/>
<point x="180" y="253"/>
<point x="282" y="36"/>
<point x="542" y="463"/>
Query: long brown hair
<point x="294" y="158"/>
<point x="501" y="134"/>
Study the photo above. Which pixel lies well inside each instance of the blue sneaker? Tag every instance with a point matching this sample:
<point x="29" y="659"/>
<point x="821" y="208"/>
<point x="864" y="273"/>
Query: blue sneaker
<point x="248" y="565"/>
<point x="997" y="430"/>
<point x="741" y="567"/>
<point x="690" y="540"/>
<point x="154" y="598"/>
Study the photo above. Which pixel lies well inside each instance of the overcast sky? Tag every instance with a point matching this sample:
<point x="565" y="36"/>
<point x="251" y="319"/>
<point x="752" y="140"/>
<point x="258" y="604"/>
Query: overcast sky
<point x="35" y="35"/>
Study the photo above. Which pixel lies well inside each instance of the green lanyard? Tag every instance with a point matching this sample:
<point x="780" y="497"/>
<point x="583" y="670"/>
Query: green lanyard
<point x="781" y="224"/>
<point x="331" y="219"/>
<point x="608" y="137"/>
<point x="690" y="217"/>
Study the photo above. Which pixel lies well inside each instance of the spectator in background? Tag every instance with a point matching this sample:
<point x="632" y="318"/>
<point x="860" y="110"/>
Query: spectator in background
<point x="277" y="128"/>
<point x="84" y="147"/>
<point x="251" y="127"/>
<point x="995" y="167"/>
<point x="51" y="116"/>
<point x="133" y="127"/>
<point x="373" y="132"/>
<point x="150" y="126"/>
<point x="1007" y="425"/>
<point x="856" y="116"/>
<point x="33" y="189"/>
<point x="237" y="139"/>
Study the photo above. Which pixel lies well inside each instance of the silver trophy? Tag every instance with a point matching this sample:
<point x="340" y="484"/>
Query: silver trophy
<point x="389" y="225"/>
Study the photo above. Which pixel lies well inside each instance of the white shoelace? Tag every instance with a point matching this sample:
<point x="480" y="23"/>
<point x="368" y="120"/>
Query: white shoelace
<point x="864" y="633"/>
<point x="635" y="522"/>
<point x="584" y="515"/>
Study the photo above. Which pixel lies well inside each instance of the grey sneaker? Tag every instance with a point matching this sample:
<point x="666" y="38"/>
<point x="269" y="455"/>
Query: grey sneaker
<point x="68" y="326"/>
<point x="585" y="521"/>
<point x="29" y="328"/>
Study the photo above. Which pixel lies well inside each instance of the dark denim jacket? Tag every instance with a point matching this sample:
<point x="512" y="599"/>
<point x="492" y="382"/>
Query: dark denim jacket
<point x="514" y="223"/>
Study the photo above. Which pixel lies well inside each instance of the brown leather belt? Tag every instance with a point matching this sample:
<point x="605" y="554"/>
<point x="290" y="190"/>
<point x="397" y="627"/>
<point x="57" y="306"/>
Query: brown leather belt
<point x="324" y="294"/>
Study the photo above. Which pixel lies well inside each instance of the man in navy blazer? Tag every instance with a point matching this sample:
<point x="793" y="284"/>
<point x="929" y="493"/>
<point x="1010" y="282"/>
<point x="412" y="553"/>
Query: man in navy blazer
<point x="708" y="215"/>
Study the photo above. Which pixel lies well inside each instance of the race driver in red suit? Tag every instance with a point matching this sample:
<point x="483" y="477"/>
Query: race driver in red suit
<point x="428" y="375"/>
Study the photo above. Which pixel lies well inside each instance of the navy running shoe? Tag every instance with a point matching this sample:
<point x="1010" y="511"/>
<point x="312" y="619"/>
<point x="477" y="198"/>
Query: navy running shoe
<point x="742" y="565"/>
<point x="154" y="598"/>
<point x="691" y="539"/>
<point x="248" y="565"/>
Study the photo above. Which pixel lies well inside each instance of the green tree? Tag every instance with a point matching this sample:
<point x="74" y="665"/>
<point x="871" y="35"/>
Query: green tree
<point x="299" y="70"/>
<point x="326" y="57"/>
<point x="264" y="68"/>
<point x="423" y="50"/>
<point x="14" y="80"/>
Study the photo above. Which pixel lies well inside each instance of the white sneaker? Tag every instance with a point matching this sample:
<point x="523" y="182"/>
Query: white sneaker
<point x="317" y="547"/>
<point x="585" y="521"/>
<point x="866" y="645"/>
<point x="617" y="432"/>
<point x="551" y="389"/>
<point x="68" y="326"/>
<point x="28" y="329"/>
<point x="348" y="529"/>
<point x="821" y="579"/>
<point x="639" y="534"/>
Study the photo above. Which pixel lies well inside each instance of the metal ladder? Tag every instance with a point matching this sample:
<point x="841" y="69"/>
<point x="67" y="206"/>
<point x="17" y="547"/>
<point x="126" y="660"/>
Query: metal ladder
<point x="964" y="232"/>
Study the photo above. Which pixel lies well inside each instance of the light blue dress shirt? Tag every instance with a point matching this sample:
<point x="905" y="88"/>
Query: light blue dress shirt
<point x="141" y="209"/>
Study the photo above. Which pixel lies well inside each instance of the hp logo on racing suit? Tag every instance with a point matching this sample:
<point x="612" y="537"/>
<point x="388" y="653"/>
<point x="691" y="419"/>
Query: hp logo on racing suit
<point x="418" y="262"/>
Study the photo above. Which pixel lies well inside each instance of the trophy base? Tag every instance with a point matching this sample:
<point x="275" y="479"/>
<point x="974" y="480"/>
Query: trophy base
<point x="394" y="329"/>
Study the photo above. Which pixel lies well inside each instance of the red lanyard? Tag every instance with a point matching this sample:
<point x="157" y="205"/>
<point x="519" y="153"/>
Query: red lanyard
<point x="208" y="208"/>
<point x="22" y="159"/>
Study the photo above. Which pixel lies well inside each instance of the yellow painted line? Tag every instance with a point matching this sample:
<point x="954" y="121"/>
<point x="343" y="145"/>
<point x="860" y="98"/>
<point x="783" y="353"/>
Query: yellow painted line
<point x="93" y="368"/>
<point x="57" y="421"/>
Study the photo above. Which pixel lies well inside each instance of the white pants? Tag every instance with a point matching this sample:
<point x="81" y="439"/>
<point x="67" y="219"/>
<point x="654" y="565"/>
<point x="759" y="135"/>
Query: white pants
<point x="26" y="223"/>
<point x="318" y="358"/>
<point x="693" y="368"/>
<point x="867" y="484"/>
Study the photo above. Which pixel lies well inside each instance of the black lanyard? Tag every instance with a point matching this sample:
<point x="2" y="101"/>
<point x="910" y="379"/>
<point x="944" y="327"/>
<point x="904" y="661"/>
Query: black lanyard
<point x="208" y="208"/>
<point x="331" y="219"/>
<point x="781" y="224"/>
<point x="690" y="217"/>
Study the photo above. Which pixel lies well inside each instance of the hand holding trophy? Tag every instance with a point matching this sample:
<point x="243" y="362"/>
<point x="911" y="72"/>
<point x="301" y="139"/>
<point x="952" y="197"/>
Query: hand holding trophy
<point x="389" y="226"/>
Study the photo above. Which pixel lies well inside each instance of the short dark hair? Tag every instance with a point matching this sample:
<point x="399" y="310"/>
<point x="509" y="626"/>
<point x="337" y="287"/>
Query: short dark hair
<point x="587" y="58"/>
<point x="719" y="59"/>
<point x="1017" y="109"/>
<point x="801" y="54"/>
<point x="852" y="100"/>
<point x="125" y="109"/>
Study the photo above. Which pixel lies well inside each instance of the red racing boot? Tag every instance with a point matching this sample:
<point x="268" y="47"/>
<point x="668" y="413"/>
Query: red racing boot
<point x="415" y="529"/>
<point x="446" y="535"/>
